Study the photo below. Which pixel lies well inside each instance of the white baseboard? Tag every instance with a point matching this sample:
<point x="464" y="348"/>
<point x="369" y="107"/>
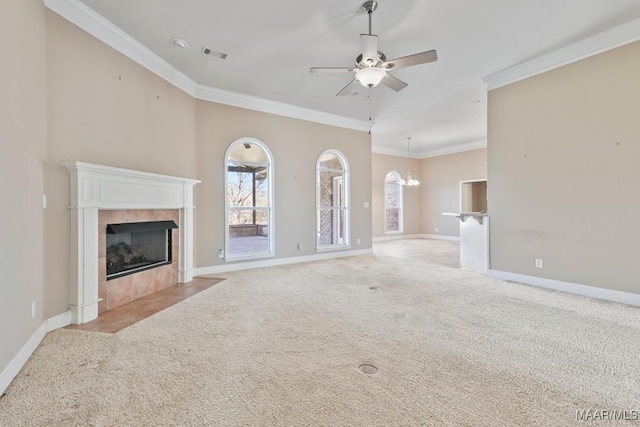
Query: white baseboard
<point x="59" y="321"/>
<point x="21" y="358"/>
<point x="571" y="288"/>
<point x="27" y="350"/>
<point x="215" y="269"/>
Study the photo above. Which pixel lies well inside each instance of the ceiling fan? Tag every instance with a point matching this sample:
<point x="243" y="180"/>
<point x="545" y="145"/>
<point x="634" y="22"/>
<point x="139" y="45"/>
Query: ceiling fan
<point x="372" y="66"/>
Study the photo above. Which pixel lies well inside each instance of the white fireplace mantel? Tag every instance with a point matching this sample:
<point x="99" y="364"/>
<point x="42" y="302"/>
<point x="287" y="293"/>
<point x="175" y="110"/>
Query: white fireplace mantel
<point x="96" y="187"/>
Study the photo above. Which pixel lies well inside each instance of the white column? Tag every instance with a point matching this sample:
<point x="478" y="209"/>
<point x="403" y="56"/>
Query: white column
<point x="83" y="287"/>
<point x="185" y="263"/>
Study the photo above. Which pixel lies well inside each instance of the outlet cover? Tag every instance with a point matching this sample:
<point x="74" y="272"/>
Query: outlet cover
<point x="539" y="263"/>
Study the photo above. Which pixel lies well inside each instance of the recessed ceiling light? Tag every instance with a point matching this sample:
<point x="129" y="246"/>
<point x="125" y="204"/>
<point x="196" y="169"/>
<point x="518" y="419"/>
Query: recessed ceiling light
<point x="476" y="101"/>
<point x="179" y="43"/>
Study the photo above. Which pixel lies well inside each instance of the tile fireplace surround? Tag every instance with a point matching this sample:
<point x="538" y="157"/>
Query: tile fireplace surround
<point x="122" y="290"/>
<point x="96" y="188"/>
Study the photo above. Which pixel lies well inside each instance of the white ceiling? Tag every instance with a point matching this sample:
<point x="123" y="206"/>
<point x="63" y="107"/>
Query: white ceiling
<point x="272" y="44"/>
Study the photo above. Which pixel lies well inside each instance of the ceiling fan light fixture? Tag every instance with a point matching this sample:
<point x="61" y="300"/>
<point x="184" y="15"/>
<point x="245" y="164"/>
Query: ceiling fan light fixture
<point x="370" y="76"/>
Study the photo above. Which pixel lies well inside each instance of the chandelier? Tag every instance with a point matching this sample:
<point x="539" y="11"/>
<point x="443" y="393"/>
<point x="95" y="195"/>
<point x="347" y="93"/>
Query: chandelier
<point x="409" y="179"/>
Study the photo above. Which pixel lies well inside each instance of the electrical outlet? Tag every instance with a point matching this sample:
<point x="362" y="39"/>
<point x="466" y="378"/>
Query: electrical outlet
<point x="45" y="202"/>
<point x="365" y="205"/>
<point x="357" y="241"/>
<point x="221" y="253"/>
<point x="33" y="309"/>
<point x="299" y="246"/>
<point x="539" y="263"/>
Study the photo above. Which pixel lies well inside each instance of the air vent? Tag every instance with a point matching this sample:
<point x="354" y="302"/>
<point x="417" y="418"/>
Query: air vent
<point x="208" y="51"/>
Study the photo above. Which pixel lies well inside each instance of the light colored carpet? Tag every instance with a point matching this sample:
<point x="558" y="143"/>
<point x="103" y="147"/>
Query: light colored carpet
<point x="281" y="347"/>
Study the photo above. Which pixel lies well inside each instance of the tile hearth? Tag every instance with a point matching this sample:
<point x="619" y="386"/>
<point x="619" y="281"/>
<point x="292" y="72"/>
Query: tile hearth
<point x="126" y="315"/>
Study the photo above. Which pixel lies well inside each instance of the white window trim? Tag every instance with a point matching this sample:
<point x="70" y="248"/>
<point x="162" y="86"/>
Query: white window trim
<point x="400" y="205"/>
<point x="347" y="211"/>
<point x="270" y="208"/>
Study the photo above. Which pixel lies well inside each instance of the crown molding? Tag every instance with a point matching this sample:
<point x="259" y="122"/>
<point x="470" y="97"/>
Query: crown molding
<point x="104" y="30"/>
<point x="460" y="148"/>
<point x="221" y="96"/>
<point x="430" y="153"/>
<point x="610" y="39"/>
<point x="390" y="151"/>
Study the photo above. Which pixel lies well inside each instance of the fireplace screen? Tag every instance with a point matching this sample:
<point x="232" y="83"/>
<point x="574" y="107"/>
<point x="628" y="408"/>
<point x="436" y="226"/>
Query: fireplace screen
<point x="138" y="246"/>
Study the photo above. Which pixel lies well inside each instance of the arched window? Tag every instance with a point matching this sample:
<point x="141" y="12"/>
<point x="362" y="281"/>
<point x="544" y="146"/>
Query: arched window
<point x="249" y="196"/>
<point x="332" y="196"/>
<point x="392" y="203"/>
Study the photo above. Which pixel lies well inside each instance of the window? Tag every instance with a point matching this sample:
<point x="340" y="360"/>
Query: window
<point x="332" y="198"/>
<point x="392" y="203"/>
<point x="249" y="195"/>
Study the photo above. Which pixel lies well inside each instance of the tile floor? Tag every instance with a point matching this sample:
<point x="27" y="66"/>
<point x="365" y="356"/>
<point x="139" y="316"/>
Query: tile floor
<point x="112" y="321"/>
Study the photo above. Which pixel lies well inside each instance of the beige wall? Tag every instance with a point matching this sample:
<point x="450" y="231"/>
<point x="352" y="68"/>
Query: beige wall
<point x="382" y="164"/>
<point x="296" y="146"/>
<point x="563" y="172"/>
<point x="440" y="189"/>
<point x="23" y="145"/>
<point x="103" y="108"/>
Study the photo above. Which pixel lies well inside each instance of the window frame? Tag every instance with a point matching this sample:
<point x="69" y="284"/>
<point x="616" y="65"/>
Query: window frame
<point x="346" y="184"/>
<point x="400" y="204"/>
<point x="270" y="198"/>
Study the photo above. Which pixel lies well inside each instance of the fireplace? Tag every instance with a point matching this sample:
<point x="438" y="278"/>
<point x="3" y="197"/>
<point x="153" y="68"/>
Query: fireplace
<point x="137" y="246"/>
<point x="137" y="254"/>
<point x="101" y="195"/>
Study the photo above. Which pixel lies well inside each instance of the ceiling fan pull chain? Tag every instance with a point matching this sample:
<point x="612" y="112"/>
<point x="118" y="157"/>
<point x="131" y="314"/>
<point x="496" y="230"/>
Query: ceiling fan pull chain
<point x="370" y="118"/>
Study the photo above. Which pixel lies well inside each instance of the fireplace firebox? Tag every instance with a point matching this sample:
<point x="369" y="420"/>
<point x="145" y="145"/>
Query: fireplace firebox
<point x="138" y="246"/>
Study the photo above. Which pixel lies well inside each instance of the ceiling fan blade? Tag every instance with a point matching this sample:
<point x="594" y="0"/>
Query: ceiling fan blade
<point x="332" y="70"/>
<point x="407" y="61"/>
<point x="369" y="45"/>
<point x="393" y="83"/>
<point x="347" y="88"/>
